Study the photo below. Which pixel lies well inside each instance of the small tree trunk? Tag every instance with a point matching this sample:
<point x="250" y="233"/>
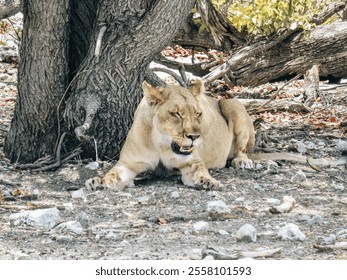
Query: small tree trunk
<point x="107" y="87"/>
<point x="42" y="78"/>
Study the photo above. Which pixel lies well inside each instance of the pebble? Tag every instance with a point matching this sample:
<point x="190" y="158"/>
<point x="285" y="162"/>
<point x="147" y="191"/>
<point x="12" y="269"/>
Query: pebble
<point x="291" y="232"/>
<point x="93" y="165"/>
<point x="298" y="177"/>
<point x="175" y="194"/>
<point x="144" y="199"/>
<point x="200" y="228"/>
<point x="300" y="147"/>
<point x="223" y="232"/>
<point x="318" y="219"/>
<point x="208" y="258"/>
<point x="217" y="206"/>
<point x="341" y="145"/>
<point x="240" y="199"/>
<point x="247" y="233"/>
<point x="79" y="194"/>
<point x="273" y="201"/>
<point x="330" y="240"/>
<point x="70" y="227"/>
<point x="64" y="239"/>
<point x="195" y="254"/>
<point x="83" y="219"/>
<point x="42" y="218"/>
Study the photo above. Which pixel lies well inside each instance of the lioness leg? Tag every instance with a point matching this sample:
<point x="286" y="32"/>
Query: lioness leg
<point x="241" y="128"/>
<point x="197" y="174"/>
<point x="119" y="176"/>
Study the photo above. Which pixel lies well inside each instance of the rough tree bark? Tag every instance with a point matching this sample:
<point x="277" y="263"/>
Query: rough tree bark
<point x="9" y="8"/>
<point x="43" y="73"/>
<point x="99" y="86"/>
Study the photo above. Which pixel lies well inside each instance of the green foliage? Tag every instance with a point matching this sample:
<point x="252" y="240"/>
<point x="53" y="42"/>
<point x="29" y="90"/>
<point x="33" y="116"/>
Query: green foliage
<point x="265" y="17"/>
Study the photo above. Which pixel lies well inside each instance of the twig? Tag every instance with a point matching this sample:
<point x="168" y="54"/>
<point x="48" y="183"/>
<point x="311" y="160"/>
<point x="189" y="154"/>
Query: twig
<point x="170" y="72"/>
<point x="182" y="71"/>
<point x="5" y="182"/>
<point x="57" y="164"/>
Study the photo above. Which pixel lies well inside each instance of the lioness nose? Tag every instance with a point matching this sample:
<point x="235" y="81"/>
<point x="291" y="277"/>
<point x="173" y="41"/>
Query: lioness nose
<point x="193" y="136"/>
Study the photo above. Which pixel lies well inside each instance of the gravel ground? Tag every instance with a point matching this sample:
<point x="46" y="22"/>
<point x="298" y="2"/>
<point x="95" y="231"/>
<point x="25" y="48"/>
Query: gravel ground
<point x="279" y="210"/>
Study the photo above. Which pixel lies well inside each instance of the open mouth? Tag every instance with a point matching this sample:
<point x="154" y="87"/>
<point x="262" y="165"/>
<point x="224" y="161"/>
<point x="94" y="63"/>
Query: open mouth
<point x="184" y="150"/>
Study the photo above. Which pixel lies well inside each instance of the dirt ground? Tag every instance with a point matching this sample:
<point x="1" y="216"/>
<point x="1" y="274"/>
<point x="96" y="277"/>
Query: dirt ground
<point x="160" y="218"/>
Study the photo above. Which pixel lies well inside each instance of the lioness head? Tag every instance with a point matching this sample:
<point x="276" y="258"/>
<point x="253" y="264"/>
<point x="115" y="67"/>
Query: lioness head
<point x="177" y="115"/>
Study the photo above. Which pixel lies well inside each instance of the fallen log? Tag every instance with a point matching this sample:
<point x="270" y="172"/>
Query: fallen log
<point x="325" y="46"/>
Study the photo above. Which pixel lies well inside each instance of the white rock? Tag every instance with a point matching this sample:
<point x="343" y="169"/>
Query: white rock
<point x="273" y="201"/>
<point x="79" y="194"/>
<point x="300" y="147"/>
<point x="200" y="227"/>
<point x="298" y="177"/>
<point x="70" y="227"/>
<point x="175" y="194"/>
<point x="247" y="233"/>
<point x="223" y="232"/>
<point x="291" y="232"/>
<point x="43" y="218"/>
<point x="93" y="165"/>
<point x="330" y="240"/>
<point x="217" y="206"/>
<point x="341" y="145"/>
<point x="195" y="254"/>
<point x="318" y="219"/>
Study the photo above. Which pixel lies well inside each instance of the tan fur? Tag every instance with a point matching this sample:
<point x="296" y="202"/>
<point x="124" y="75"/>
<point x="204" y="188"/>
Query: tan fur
<point x="206" y="134"/>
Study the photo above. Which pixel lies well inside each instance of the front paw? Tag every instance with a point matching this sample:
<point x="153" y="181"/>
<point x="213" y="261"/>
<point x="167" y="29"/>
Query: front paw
<point x="206" y="181"/>
<point x="242" y="162"/>
<point x="94" y="184"/>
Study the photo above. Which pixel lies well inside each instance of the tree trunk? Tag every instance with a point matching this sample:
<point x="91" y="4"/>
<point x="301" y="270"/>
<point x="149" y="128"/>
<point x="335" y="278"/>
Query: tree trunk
<point x="87" y="81"/>
<point x="42" y="78"/>
<point x="108" y="86"/>
<point x="325" y="46"/>
<point x="9" y="8"/>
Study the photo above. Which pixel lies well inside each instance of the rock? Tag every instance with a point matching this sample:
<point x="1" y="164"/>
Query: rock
<point x="195" y="254"/>
<point x="223" y="232"/>
<point x="63" y="239"/>
<point x="79" y="194"/>
<point x="93" y="165"/>
<point x="304" y="218"/>
<point x="83" y="218"/>
<point x="175" y="194"/>
<point x="318" y="219"/>
<point x="273" y="201"/>
<point x="300" y="147"/>
<point x="287" y="205"/>
<point x="70" y="227"/>
<point x="341" y="145"/>
<point x="217" y="206"/>
<point x="144" y="199"/>
<point x="200" y="228"/>
<point x="330" y="240"/>
<point x="247" y="233"/>
<point x="298" y="177"/>
<point x="291" y="232"/>
<point x="43" y="218"/>
<point x="208" y="258"/>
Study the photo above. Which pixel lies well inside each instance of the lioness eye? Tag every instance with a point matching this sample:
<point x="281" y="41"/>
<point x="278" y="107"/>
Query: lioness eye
<point x="198" y="114"/>
<point x="176" y="114"/>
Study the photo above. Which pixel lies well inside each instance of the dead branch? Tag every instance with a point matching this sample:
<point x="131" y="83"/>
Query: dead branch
<point x="172" y="73"/>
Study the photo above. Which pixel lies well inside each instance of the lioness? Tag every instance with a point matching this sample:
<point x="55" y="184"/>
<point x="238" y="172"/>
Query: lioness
<point x="182" y="128"/>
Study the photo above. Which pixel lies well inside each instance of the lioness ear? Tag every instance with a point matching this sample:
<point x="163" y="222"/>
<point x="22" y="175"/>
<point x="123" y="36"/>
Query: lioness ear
<point x="153" y="95"/>
<point x="197" y="87"/>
